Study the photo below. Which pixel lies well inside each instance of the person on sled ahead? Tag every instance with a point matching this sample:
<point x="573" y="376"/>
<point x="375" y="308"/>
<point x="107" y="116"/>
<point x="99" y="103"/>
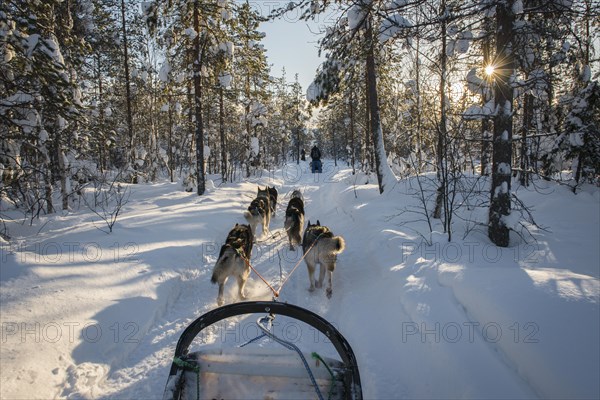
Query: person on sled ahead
<point x="316" y="165"/>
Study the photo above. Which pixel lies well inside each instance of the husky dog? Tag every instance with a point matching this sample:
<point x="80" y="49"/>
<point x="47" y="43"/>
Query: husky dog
<point x="321" y="247"/>
<point x="231" y="260"/>
<point x="265" y="195"/>
<point x="294" y="219"/>
<point x="272" y="198"/>
<point x="297" y="194"/>
<point x="257" y="214"/>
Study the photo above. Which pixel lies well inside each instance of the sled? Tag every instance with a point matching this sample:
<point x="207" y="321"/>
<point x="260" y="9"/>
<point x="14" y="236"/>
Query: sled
<point x="275" y="370"/>
<point x="316" y="166"/>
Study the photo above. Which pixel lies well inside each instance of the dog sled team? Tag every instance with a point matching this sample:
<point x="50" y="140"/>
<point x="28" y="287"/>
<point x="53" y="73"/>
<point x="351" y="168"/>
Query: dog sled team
<point x="319" y="245"/>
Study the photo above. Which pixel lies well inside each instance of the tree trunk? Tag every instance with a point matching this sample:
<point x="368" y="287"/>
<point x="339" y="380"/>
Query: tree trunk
<point x="297" y="144"/>
<point x="197" y="66"/>
<point x="170" y="156"/>
<point x="485" y="122"/>
<point x="48" y="189"/>
<point x="190" y="117"/>
<point x="352" y="149"/>
<point x="442" y="174"/>
<point x="485" y="147"/>
<point x="419" y="106"/>
<point x="222" y="135"/>
<point x="385" y="175"/>
<point x="132" y="158"/>
<point x="102" y="151"/>
<point x="333" y="143"/>
<point x="367" y="159"/>
<point x="248" y="137"/>
<point x="498" y="232"/>
<point x="64" y="186"/>
<point x="527" y="124"/>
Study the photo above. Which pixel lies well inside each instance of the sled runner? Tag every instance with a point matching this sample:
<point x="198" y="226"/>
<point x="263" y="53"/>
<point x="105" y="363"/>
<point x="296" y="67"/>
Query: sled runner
<point x="274" y="370"/>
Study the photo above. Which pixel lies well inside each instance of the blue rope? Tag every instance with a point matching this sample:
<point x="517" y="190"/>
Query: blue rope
<point x="262" y="335"/>
<point x="293" y="347"/>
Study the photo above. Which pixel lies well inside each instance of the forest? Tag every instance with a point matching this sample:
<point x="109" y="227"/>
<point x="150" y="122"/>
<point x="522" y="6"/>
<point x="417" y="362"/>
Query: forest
<point x="472" y="95"/>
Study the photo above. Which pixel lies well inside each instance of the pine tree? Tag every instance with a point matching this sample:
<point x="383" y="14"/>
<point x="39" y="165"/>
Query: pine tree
<point x="253" y="74"/>
<point x="500" y="198"/>
<point x="40" y="98"/>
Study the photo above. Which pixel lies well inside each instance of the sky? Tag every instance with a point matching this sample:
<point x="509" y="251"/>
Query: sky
<point x="291" y="43"/>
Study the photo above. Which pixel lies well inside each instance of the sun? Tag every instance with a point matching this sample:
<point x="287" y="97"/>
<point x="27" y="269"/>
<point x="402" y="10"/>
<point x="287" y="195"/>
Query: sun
<point x="489" y="70"/>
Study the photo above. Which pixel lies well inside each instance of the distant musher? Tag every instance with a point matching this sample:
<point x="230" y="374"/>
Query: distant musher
<point x="316" y="165"/>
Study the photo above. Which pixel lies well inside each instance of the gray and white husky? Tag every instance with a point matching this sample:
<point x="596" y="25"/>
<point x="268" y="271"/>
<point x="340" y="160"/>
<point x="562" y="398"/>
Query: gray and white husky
<point x="294" y="219"/>
<point x="297" y="194"/>
<point x="257" y="214"/>
<point x="231" y="260"/>
<point x="266" y="196"/>
<point x="259" y="211"/>
<point x="320" y="246"/>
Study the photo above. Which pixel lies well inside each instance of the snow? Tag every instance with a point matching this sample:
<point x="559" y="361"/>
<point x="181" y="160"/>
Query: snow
<point x="204" y="71"/>
<point x="463" y="42"/>
<point x="225" y="79"/>
<point x="517" y="7"/>
<point x="8" y="53"/>
<point x="475" y="84"/>
<point x="90" y="315"/>
<point x="511" y="220"/>
<point x="356" y="15"/>
<point x="191" y="33"/>
<point x="17" y="98"/>
<point x="391" y="26"/>
<point x="576" y="138"/>
<point x="61" y="122"/>
<point x="43" y="135"/>
<point x="254" y="147"/>
<point x="450" y="44"/>
<point x="227" y="48"/>
<point x="395" y="4"/>
<point x="504" y="169"/>
<point x="314" y="92"/>
<point x="52" y="49"/>
<point x="164" y="72"/>
<point x="586" y="74"/>
<point x="476" y="112"/>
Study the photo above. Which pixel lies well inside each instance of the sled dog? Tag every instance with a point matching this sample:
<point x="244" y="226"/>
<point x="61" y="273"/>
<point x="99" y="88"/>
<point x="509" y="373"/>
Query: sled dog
<point x="297" y="194"/>
<point x="231" y="261"/>
<point x="294" y="219"/>
<point x="321" y="247"/>
<point x="272" y="199"/>
<point x="257" y="214"/>
<point x="266" y="196"/>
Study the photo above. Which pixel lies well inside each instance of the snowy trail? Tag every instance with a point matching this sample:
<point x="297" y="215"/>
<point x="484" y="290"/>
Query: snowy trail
<point x="192" y="295"/>
<point x="419" y="320"/>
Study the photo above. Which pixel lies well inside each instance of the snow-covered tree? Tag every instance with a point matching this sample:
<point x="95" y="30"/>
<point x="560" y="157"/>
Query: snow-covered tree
<point x="40" y="102"/>
<point x="252" y="71"/>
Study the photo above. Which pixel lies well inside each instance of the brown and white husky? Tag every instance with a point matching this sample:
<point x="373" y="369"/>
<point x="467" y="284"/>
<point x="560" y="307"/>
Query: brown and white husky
<point x="231" y="260"/>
